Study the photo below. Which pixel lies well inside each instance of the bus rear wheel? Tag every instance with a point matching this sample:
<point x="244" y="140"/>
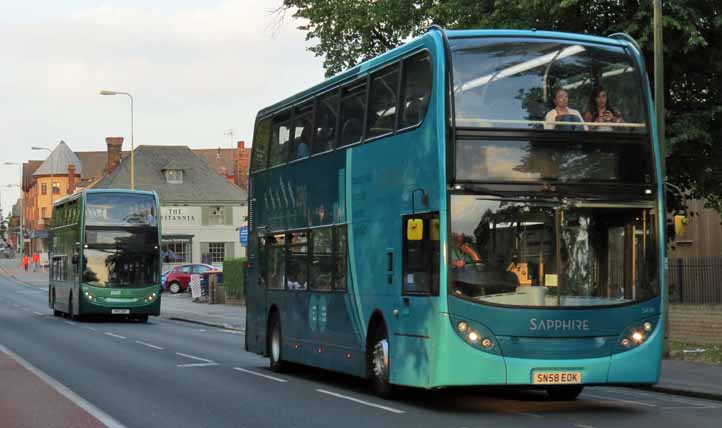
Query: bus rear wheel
<point x="379" y="362"/>
<point x="71" y="317"/>
<point x="564" y="393"/>
<point x="274" y="344"/>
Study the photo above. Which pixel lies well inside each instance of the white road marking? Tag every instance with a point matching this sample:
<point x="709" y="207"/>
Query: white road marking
<point x="197" y="365"/>
<point x="277" y="379"/>
<point x="194" y="357"/>
<point x="667" y="397"/>
<point x="90" y="328"/>
<point x="232" y="331"/>
<point x="98" y="414"/>
<point x="16" y="305"/>
<point x="688" y="407"/>
<point x="69" y="322"/>
<point x="517" y="412"/>
<point x="203" y="330"/>
<point x="584" y="426"/>
<point x="38" y="313"/>
<point x="603" y="398"/>
<point x="356" y="400"/>
<point x="148" y="345"/>
<point x="115" y="335"/>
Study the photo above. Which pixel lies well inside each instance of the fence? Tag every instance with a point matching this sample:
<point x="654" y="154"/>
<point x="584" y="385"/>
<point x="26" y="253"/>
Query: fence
<point x="695" y="280"/>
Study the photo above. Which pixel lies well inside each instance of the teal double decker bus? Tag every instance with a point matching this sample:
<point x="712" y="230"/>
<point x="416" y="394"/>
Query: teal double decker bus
<point x="472" y="208"/>
<point x="105" y="254"/>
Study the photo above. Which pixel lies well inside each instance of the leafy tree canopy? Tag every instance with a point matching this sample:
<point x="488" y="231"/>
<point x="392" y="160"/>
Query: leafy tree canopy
<point x="348" y="31"/>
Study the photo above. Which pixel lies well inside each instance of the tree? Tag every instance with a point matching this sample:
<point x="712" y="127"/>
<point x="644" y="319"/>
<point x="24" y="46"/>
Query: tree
<point x="349" y="31"/>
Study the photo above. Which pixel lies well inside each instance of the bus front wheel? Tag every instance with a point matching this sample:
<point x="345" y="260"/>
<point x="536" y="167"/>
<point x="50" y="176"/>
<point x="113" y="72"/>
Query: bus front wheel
<point x="379" y="362"/>
<point x="274" y="344"/>
<point x="564" y="393"/>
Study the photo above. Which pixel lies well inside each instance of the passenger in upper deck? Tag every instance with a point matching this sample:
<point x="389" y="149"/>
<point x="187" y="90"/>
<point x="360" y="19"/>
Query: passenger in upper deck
<point x="563" y="113"/>
<point x="601" y="110"/>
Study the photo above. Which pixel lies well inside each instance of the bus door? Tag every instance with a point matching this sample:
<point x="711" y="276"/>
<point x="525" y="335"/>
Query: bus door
<point x="413" y="311"/>
<point x="256" y="294"/>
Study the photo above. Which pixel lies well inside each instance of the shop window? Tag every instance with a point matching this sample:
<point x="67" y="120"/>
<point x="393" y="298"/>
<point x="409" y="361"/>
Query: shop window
<point x="176" y="252"/>
<point x="217" y="251"/>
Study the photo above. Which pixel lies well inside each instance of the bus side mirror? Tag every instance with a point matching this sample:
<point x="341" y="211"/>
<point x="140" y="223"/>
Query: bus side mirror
<point x="414" y="229"/>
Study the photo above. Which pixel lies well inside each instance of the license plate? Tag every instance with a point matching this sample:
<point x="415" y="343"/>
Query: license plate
<point x="556" y="378"/>
<point x="120" y="311"/>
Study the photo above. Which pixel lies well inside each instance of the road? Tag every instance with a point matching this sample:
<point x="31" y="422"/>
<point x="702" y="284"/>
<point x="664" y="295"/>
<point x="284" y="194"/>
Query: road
<point x="172" y="374"/>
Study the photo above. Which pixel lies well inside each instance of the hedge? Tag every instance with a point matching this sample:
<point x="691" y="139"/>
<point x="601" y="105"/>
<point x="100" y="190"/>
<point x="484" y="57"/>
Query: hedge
<point x="234" y="271"/>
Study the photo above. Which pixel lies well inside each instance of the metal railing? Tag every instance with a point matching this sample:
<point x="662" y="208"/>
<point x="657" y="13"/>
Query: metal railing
<point x="695" y="280"/>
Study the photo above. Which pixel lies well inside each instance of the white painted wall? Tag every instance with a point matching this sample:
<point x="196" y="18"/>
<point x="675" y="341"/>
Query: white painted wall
<point x="187" y="220"/>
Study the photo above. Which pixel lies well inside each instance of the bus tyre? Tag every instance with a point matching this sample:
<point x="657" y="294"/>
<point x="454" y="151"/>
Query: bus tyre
<point x="143" y="319"/>
<point x="70" y="308"/>
<point x="379" y="362"/>
<point x="274" y="344"/>
<point x="564" y="393"/>
<point x="174" y="287"/>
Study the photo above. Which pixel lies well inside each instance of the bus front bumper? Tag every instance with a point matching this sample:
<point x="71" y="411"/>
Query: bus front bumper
<point x="459" y="364"/>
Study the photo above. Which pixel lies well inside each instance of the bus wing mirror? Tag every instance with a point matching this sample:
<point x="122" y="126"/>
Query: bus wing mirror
<point x="414" y="229"/>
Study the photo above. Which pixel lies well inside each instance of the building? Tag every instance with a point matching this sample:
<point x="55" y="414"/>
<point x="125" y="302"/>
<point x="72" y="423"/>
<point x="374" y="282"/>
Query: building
<point x="201" y="211"/>
<point x="90" y="167"/>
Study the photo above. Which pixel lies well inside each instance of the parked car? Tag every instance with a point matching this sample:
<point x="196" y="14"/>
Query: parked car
<point x="178" y="279"/>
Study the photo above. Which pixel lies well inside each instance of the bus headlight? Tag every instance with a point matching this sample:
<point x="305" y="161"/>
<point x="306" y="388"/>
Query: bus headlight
<point x="637" y="333"/>
<point x="476" y="335"/>
<point x="89" y="296"/>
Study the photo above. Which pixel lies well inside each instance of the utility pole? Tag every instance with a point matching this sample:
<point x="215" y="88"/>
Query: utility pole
<point x="657" y="26"/>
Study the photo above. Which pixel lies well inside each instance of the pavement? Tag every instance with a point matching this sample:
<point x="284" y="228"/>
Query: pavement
<point x="678" y="377"/>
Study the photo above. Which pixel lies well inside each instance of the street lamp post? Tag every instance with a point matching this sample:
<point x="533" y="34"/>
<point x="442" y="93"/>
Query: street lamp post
<point x="132" y="144"/>
<point x="21" y="240"/>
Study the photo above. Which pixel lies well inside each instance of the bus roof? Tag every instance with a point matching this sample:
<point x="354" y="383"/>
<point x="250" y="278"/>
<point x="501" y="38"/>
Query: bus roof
<point x="402" y="50"/>
<point x="68" y="198"/>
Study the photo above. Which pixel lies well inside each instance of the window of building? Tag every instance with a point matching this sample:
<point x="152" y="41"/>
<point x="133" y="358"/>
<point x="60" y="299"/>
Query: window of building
<point x="43" y="188"/>
<point x="44" y="212"/>
<point x="353" y="106"/>
<point x="174" y="176"/>
<point x="322" y="263"/>
<point x="280" y="135"/>
<point x="297" y="262"/>
<point x="216" y="215"/>
<point x="326" y="115"/>
<point x="176" y="251"/>
<point x="56" y="188"/>
<point x="217" y="251"/>
<point x="382" y="102"/>
<point x="416" y="90"/>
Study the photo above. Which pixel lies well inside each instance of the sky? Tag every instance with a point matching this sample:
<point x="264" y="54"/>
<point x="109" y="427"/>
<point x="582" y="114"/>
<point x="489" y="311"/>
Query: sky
<point x="197" y="69"/>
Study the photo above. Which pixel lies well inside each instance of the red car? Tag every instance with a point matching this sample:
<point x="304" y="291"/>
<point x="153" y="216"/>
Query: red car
<point x="179" y="278"/>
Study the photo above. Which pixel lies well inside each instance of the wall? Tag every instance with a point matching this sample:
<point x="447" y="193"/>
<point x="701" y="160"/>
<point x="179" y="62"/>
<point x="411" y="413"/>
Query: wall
<point x="699" y="324"/>
<point x="187" y="220"/>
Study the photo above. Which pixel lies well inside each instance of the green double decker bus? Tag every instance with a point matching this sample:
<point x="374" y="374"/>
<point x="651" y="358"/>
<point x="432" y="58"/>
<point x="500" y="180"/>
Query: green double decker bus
<point x="105" y="254"/>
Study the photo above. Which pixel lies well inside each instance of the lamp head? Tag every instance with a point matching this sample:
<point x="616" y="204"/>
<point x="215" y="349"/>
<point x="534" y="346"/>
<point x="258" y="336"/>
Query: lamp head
<point x="104" y="92"/>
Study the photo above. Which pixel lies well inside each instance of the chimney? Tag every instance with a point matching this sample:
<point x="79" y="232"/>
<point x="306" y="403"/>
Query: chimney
<point x="71" y="178"/>
<point x="242" y="161"/>
<point x="115" y="149"/>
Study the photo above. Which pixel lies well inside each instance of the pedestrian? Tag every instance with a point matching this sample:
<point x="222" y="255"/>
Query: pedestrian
<point x="26" y="262"/>
<point x="36" y="260"/>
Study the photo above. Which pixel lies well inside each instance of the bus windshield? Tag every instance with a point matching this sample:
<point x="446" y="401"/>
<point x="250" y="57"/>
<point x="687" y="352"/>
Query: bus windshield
<point x="527" y="253"/>
<point x="121" y="258"/>
<point x="546" y="84"/>
<point x="108" y="209"/>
